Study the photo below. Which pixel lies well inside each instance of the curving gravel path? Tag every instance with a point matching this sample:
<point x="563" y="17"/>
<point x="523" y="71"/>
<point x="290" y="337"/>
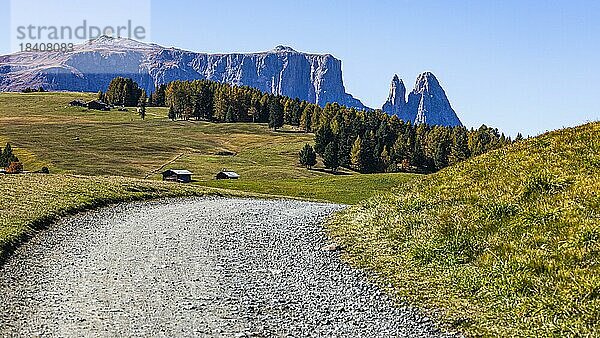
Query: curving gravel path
<point x="205" y="267"/>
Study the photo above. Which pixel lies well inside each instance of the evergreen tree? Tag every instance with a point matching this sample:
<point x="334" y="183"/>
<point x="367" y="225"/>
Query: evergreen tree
<point x="519" y="137"/>
<point x="7" y="156"/>
<point x="385" y="159"/>
<point x="287" y="112"/>
<point x="323" y="137"/>
<point x="330" y="157"/>
<point x="315" y="119"/>
<point x="362" y="155"/>
<point x="441" y="156"/>
<point x="308" y="157"/>
<point x="275" y="114"/>
<point x="172" y="113"/>
<point x="296" y="112"/>
<point x="230" y="117"/>
<point x="264" y="108"/>
<point x="460" y="146"/>
<point x="142" y="105"/>
<point x="355" y="153"/>
<point x="159" y="96"/>
<point x="123" y="92"/>
<point x="305" y="119"/>
<point x="221" y="104"/>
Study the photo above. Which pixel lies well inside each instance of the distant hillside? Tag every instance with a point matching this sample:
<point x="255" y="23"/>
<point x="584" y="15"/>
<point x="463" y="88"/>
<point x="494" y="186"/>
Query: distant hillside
<point x="91" y="67"/>
<point x="505" y="244"/>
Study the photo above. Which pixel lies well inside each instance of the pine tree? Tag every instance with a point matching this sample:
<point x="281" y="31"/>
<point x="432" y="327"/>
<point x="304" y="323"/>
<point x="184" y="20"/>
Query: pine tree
<point x="305" y="119"/>
<point x="172" y="113"/>
<point x="296" y="112"/>
<point x="123" y="92"/>
<point x="385" y="159"/>
<point x="330" y="157"/>
<point x="221" y="105"/>
<point x="519" y="137"/>
<point x="355" y="153"/>
<point x="308" y="157"/>
<point x="142" y="105"/>
<point x="7" y="156"/>
<point x="230" y="117"/>
<point x="315" y="118"/>
<point x="275" y="114"/>
<point x="264" y="108"/>
<point x="159" y="96"/>
<point x="323" y="137"/>
<point x="363" y="155"/>
<point x="440" y="158"/>
<point x="287" y="112"/>
<point x="459" y="150"/>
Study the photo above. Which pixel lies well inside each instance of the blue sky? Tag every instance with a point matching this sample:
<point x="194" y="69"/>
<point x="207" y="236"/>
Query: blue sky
<point x="521" y="66"/>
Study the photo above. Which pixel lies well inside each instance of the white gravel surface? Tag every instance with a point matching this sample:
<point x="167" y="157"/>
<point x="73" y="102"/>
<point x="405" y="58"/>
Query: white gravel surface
<point x="204" y="267"/>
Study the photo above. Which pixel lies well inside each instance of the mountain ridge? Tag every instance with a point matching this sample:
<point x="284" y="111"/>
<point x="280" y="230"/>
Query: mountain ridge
<point x="427" y="103"/>
<point x="91" y="66"/>
<point x="316" y="78"/>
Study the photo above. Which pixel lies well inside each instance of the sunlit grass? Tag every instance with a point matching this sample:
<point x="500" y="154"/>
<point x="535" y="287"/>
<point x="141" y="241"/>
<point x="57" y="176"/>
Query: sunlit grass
<point x="71" y="140"/>
<point x="506" y="244"/>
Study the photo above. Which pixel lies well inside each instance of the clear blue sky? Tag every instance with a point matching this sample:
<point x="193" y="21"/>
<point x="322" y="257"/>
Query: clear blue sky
<point x="527" y="66"/>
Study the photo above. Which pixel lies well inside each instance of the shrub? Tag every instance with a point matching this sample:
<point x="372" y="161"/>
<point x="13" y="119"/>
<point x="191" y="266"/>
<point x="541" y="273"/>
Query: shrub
<point x="544" y="183"/>
<point x="15" y="168"/>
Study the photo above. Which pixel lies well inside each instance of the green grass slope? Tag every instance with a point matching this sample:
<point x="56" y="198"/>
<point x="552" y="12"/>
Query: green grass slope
<point x="71" y="140"/>
<point x="506" y="244"/>
<point x="344" y="189"/>
<point x="31" y="202"/>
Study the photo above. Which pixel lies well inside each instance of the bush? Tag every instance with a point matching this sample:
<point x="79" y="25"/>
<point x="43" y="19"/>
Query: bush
<point x="15" y="168"/>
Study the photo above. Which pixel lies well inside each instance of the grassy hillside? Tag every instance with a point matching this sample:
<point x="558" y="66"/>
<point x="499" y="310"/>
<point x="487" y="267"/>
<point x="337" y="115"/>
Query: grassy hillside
<point x="346" y="189"/>
<point x="30" y="202"/>
<point x="73" y="140"/>
<point x="506" y="244"/>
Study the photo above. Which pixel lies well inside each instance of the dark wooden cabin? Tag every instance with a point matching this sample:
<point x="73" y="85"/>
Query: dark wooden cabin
<point x="176" y="175"/>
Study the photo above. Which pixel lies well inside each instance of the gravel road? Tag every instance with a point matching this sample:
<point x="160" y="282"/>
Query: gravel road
<point x="204" y="267"/>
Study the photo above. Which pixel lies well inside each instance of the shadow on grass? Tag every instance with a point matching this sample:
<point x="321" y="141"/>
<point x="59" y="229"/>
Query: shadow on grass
<point x="327" y="171"/>
<point x="290" y="131"/>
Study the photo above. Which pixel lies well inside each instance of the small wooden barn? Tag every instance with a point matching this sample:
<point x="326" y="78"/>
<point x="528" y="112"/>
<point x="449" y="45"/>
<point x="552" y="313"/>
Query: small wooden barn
<point x="98" y="105"/>
<point x="177" y="175"/>
<point x="227" y="175"/>
<point x="77" y="103"/>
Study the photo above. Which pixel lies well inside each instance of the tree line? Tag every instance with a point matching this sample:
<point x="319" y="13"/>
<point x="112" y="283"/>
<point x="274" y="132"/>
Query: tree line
<point x="365" y="141"/>
<point x="373" y="141"/>
<point x="122" y="92"/>
<point x="219" y="102"/>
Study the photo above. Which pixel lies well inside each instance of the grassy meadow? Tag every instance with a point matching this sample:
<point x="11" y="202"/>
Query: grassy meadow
<point x="97" y="158"/>
<point x="74" y="140"/>
<point x="506" y="244"/>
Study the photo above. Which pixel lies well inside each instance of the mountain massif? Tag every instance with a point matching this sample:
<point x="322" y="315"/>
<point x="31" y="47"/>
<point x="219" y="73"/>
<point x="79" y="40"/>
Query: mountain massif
<point x="427" y="103"/>
<point x="316" y="78"/>
<point x="91" y="66"/>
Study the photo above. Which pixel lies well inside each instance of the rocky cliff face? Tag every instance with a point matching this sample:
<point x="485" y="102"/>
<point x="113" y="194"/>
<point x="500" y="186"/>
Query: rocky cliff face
<point x="91" y="67"/>
<point x="427" y="103"/>
<point x="396" y="102"/>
